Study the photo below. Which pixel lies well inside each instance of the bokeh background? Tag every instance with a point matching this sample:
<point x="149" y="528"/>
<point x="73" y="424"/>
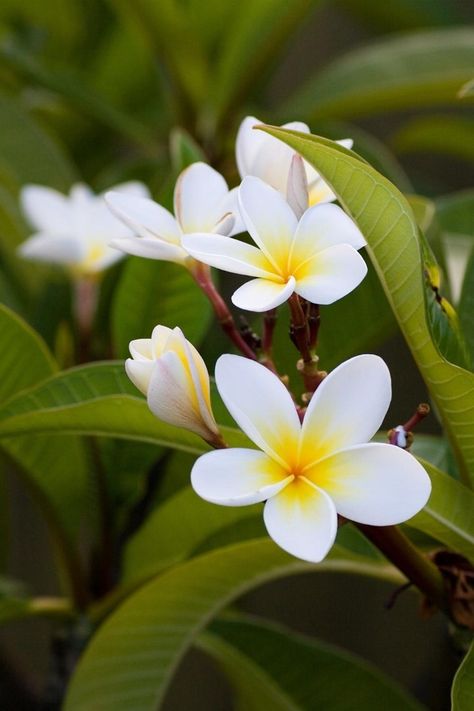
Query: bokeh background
<point x="109" y="91"/>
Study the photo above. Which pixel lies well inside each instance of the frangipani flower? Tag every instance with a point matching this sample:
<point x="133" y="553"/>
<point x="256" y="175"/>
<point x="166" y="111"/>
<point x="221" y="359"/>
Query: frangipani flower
<point x="202" y="203"/>
<point x="74" y="230"/>
<point x="308" y="473"/>
<point x="266" y="157"/>
<point x="315" y="257"/>
<point x="171" y="373"/>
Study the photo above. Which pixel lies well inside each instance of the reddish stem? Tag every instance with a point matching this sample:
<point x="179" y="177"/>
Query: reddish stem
<point x="202" y="276"/>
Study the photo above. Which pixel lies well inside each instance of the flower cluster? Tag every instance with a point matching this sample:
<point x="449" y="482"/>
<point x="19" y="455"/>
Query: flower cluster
<point x="311" y="463"/>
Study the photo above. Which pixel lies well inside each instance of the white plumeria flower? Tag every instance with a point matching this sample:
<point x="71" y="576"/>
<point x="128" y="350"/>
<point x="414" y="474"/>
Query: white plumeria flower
<point x="173" y="376"/>
<point x="202" y="203"/>
<point x="315" y="257"/>
<point x="277" y="164"/>
<point x="308" y="473"/>
<point x="74" y="230"/>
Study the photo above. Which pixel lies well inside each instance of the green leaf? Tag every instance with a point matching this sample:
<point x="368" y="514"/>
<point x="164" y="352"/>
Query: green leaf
<point x="56" y="475"/>
<point x="96" y="399"/>
<point x="447" y="135"/>
<point x="152" y="292"/>
<point x="313" y="682"/>
<point x="387" y="222"/>
<point x="447" y="516"/>
<point x="443" y="320"/>
<point x="184" y="150"/>
<point x="132" y="657"/>
<point x="160" y="543"/>
<point x="407" y="71"/>
<point x="462" y="693"/>
<point x="466" y="304"/>
<point x="32" y="154"/>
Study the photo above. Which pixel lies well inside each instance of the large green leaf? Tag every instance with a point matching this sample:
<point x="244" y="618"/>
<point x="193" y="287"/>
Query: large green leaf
<point x="314" y="681"/>
<point x="447" y="517"/>
<point x="32" y="154"/>
<point x="462" y="694"/>
<point x="132" y="657"/>
<point x="96" y="399"/>
<point x="410" y="70"/>
<point x="388" y="224"/>
<point x="56" y="474"/>
<point x="151" y="292"/>
<point x="159" y="543"/>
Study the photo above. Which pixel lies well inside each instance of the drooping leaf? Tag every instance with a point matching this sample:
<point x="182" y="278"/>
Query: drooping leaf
<point x="132" y="657"/>
<point x="307" y="673"/>
<point x="462" y="693"/>
<point x="388" y="224"/>
<point x="411" y="70"/>
<point x="152" y="292"/>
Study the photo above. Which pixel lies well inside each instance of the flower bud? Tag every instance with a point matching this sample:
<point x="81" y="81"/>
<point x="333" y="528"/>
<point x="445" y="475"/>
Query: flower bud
<point x="173" y="376"/>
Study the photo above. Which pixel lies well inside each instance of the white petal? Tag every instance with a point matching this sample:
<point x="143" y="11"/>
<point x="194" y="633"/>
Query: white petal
<point x="141" y="349"/>
<point x="297" y="187"/>
<point x="140" y="372"/>
<point x="262" y="294"/>
<point x="131" y="187"/>
<point x="376" y="484"/>
<point x="172" y="397"/>
<point x="144" y="217"/>
<point x="237" y="477"/>
<point x="347" y="408"/>
<point x="159" y="339"/>
<point x="269" y="219"/>
<point x="47" y="210"/>
<point x="273" y="159"/>
<point x="302" y="520"/>
<point x="324" y="226"/>
<point x="261" y="405"/>
<point x="194" y="363"/>
<point x="198" y="193"/>
<point x="53" y="249"/>
<point x="248" y="144"/>
<point x="228" y="254"/>
<point x="230" y="206"/>
<point x="151" y="248"/>
<point x="330" y="274"/>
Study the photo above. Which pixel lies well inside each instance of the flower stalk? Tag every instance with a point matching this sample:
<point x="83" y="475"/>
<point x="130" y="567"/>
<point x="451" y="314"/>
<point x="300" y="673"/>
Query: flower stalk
<point x="406" y="557"/>
<point x="202" y="275"/>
